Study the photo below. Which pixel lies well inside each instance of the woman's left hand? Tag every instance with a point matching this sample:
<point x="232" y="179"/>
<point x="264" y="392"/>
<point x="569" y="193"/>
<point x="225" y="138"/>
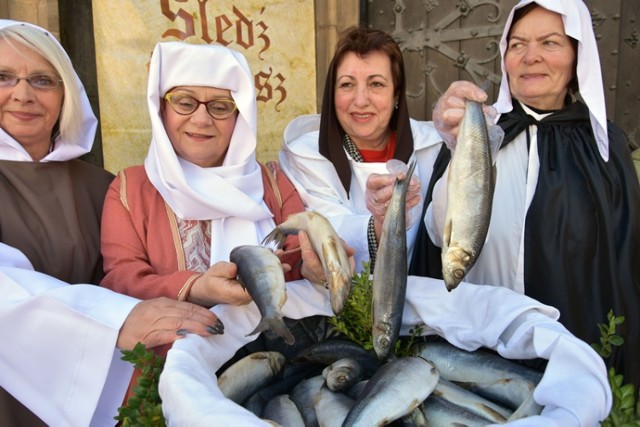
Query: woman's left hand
<point x="378" y="195"/>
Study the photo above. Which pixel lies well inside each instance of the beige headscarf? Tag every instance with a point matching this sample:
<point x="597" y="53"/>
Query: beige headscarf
<point x="10" y="149"/>
<point x="230" y="195"/>
<point x="578" y="25"/>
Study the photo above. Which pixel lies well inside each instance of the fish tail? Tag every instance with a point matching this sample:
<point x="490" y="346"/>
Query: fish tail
<point x="277" y="236"/>
<point x="275" y="325"/>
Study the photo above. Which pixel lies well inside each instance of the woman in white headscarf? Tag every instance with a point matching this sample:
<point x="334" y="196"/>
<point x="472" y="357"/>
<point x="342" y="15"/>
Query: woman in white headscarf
<point x="564" y="226"/>
<point x="61" y="344"/>
<point x="170" y="224"/>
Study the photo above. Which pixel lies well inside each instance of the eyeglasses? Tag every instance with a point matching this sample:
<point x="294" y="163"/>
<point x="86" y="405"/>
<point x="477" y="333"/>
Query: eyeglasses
<point x="36" y="81"/>
<point x="219" y="108"/>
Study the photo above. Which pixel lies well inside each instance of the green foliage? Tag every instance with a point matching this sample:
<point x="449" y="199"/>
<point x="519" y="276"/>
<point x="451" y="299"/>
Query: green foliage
<point x="625" y="411"/>
<point x="144" y="408"/>
<point x="355" y="321"/>
<point x="608" y="337"/>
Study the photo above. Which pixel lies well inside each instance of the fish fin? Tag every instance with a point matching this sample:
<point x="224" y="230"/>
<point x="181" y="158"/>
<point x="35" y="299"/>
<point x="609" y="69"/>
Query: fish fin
<point x="277" y="236"/>
<point x="447" y="234"/>
<point x="274" y="325"/>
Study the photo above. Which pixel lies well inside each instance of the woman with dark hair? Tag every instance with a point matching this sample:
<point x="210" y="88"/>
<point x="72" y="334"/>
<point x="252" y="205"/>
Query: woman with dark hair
<point x="564" y="227"/>
<point x="333" y="157"/>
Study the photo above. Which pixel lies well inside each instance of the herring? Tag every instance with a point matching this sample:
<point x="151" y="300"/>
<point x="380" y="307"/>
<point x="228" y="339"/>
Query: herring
<point x="471" y="182"/>
<point x="249" y="374"/>
<point x="327" y="245"/>
<point x="395" y="390"/>
<point x="260" y="272"/>
<point x="390" y="271"/>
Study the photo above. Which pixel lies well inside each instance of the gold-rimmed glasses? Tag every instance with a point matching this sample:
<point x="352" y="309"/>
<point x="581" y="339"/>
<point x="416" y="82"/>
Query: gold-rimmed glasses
<point x="218" y="108"/>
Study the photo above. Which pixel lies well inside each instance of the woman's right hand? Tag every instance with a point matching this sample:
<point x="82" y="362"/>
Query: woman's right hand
<point x="218" y="285"/>
<point x="450" y="108"/>
<point x="163" y="320"/>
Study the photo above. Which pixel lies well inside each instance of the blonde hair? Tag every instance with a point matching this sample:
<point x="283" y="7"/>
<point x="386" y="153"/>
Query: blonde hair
<point x="69" y="124"/>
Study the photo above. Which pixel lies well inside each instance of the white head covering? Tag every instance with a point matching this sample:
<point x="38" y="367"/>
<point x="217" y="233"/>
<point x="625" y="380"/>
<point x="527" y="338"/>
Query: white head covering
<point x="230" y="195"/>
<point x="10" y="149"/>
<point x="578" y="25"/>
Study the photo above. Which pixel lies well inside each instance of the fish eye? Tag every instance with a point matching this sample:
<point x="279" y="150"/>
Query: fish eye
<point x="458" y="274"/>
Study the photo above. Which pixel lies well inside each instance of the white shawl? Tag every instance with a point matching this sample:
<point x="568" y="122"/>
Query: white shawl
<point x="231" y="195"/>
<point x="10" y="149"/>
<point x="578" y="25"/>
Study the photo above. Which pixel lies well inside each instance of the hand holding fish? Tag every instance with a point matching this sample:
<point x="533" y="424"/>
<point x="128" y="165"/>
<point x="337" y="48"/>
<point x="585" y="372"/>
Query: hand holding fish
<point x="312" y="268"/>
<point x="450" y="109"/>
<point x="378" y="195"/>
<point x="218" y="285"/>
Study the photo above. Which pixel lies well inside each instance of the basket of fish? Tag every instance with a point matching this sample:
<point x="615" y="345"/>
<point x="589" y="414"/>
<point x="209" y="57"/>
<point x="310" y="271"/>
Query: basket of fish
<point x="445" y="381"/>
<point x="451" y="379"/>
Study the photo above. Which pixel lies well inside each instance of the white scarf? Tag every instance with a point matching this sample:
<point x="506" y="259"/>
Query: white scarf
<point x="578" y="25"/>
<point x="231" y="195"/>
<point x="10" y="149"/>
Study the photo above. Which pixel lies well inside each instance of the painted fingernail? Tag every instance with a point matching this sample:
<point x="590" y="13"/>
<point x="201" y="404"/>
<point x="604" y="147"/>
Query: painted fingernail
<point x="182" y="332"/>
<point x="217" y="329"/>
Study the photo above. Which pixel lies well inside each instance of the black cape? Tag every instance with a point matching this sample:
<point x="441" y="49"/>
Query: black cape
<point x="582" y="230"/>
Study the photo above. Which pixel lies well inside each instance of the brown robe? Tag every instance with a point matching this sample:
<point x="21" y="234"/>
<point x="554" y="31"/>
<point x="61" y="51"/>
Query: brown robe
<point x="51" y="212"/>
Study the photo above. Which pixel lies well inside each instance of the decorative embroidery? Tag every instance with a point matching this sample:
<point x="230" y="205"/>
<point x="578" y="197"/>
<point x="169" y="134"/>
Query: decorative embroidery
<point x="196" y="242"/>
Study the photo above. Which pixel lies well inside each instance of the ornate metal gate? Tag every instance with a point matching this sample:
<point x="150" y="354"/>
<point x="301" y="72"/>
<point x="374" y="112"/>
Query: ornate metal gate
<point x="445" y="40"/>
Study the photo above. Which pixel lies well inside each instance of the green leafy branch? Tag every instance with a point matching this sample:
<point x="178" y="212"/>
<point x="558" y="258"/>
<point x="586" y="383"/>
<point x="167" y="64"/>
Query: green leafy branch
<point x="626" y="403"/>
<point x="144" y="408"/>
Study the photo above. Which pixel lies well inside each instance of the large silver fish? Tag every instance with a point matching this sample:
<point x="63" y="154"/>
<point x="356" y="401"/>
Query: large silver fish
<point x="390" y="271"/>
<point x="249" y="374"/>
<point x="396" y="389"/>
<point x="498" y="379"/>
<point x="469" y="197"/>
<point x="471" y="402"/>
<point x="327" y="245"/>
<point x="283" y="411"/>
<point x="260" y="272"/>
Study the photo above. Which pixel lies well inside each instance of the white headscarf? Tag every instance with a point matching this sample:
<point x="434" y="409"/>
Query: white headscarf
<point x="578" y="25"/>
<point x="230" y="195"/>
<point x="10" y="149"/>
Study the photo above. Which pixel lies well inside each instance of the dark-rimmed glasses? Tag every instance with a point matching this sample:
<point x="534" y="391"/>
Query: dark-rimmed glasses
<point x="36" y="81"/>
<point x="219" y="108"/>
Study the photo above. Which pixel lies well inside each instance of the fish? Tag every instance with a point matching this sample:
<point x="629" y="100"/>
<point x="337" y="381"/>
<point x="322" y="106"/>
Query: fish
<point x="498" y="379"/>
<point x="292" y="375"/>
<point x="471" y="402"/>
<point x="390" y="271"/>
<point x="305" y="395"/>
<point x="327" y="245"/>
<point x="249" y="374"/>
<point x="261" y="274"/>
<point x="395" y="390"/>
<point x="440" y="412"/>
<point x="281" y="410"/>
<point x="470" y="188"/>
<point x="332" y="407"/>
<point x="329" y="351"/>
<point x="342" y="374"/>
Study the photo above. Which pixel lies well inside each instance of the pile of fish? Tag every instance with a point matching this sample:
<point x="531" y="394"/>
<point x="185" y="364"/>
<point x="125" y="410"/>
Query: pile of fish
<point x="338" y="383"/>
